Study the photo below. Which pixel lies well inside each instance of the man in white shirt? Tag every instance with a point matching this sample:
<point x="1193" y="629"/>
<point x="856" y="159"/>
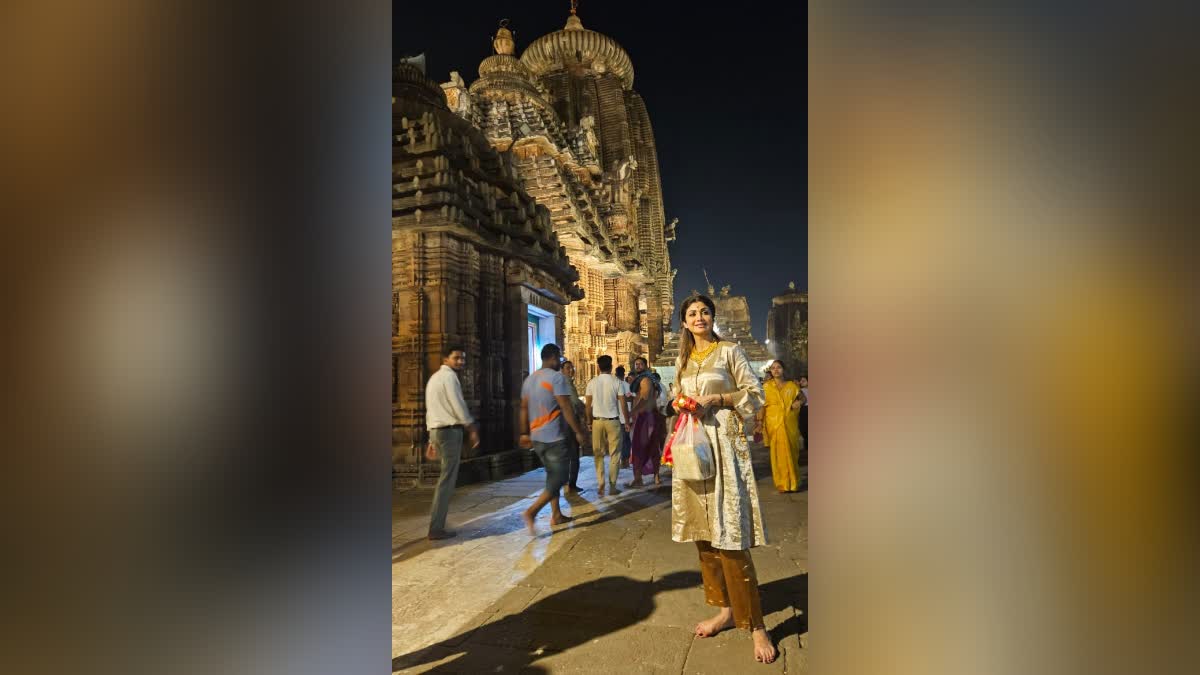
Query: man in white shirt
<point x="605" y="407"/>
<point x="446" y="416"/>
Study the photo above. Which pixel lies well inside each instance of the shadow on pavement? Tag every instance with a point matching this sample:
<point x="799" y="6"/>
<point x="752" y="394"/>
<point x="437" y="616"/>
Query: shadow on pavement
<point x="542" y="624"/>
<point x="779" y="595"/>
<point x="564" y="620"/>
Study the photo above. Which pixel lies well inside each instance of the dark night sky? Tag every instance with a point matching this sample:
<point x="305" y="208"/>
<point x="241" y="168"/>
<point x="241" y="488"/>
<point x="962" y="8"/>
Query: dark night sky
<point x="726" y="91"/>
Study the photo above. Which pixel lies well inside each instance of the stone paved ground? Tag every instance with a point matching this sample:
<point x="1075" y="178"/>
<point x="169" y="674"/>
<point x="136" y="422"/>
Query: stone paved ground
<point x="608" y="593"/>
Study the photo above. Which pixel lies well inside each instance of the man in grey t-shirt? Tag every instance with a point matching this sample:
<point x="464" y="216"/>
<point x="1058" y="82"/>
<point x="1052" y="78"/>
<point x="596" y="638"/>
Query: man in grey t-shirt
<point x="546" y="412"/>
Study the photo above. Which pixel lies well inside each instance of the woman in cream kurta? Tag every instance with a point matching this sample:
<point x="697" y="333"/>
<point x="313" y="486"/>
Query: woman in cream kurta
<point x="723" y="510"/>
<point x="721" y="514"/>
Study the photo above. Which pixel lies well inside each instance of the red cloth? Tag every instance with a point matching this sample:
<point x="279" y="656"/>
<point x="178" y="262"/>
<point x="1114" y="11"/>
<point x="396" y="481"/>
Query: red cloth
<point x="687" y="406"/>
<point x="679" y="422"/>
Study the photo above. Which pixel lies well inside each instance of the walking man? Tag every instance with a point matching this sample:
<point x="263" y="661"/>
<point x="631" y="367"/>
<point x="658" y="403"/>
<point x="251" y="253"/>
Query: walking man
<point x="606" y="407"/>
<point x="446" y="416"/>
<point x="545" y="404"/>
<point x="574" y="450"/>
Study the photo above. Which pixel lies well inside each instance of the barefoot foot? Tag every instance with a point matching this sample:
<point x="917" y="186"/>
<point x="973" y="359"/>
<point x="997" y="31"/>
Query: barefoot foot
<point x="560" y="519"/>
<point x="525" y="515"/>
<point x="764" y="651"/>
<point x="720" y="622"/>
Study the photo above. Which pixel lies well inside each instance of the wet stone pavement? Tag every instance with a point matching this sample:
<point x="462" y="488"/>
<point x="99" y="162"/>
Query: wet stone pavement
<point x="607" y="593"/>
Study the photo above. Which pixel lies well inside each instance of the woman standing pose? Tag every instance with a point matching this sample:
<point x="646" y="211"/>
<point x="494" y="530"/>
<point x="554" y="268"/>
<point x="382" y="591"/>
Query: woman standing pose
<point x="721" y="514"/>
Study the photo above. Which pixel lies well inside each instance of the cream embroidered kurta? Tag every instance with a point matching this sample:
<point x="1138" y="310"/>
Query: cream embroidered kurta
<point x="724" y="509"/>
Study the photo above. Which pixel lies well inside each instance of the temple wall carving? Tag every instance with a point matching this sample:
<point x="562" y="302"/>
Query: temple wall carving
<point x="472" y="253"/>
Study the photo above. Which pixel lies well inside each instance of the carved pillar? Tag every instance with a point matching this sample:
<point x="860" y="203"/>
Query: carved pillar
<point x="654" y="327"/>
<point x="409" y="345"/>
<point x="492" y="310"/>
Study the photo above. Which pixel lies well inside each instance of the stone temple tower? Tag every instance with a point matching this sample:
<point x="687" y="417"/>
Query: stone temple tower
<point x="580" y="138"/>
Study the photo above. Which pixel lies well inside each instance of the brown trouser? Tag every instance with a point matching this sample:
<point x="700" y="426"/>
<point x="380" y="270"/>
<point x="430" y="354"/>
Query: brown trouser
<point x="606" y="440"/>
<point x="729" y="581"/>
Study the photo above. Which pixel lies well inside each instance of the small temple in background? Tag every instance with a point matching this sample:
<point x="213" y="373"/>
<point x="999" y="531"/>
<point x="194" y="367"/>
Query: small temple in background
<point x="787" y="330"/>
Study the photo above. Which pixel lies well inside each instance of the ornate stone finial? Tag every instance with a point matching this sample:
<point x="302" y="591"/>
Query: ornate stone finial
<point x="503" y="43"/>
<point x="711" y="292"/>
<point x="573" y="22"/>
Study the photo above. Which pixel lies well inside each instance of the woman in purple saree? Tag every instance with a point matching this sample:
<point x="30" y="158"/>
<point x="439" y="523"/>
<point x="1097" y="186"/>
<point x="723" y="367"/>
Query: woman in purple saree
<point x="649" y="426"/>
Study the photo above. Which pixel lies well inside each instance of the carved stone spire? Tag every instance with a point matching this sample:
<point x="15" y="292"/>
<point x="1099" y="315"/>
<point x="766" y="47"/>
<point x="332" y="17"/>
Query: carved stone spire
<point x="573" y="22"/>
<point x="503" y="42"/>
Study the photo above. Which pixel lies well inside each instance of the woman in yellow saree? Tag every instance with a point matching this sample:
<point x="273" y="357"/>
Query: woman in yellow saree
<point x="779" y="418"/>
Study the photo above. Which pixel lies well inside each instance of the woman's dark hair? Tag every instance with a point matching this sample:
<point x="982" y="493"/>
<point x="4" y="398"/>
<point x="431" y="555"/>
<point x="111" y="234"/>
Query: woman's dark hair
<point x="781" y="365"/>
<point x="686" y="341"/>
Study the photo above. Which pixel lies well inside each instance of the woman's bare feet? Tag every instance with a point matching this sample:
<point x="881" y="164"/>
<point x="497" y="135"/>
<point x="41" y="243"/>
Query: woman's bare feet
<point x="720" y="622"/>
<point x="764" y="651"/>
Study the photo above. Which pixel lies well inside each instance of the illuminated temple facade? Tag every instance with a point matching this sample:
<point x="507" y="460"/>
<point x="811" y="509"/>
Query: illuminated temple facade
<point x="527" y="208"/>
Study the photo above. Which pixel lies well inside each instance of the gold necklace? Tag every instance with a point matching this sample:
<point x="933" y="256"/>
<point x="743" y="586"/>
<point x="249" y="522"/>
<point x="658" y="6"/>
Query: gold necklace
<point x="701" y="355"/>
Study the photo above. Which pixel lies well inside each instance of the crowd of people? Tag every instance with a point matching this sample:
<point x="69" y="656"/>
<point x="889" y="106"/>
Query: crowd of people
<point x="623" y="422"/>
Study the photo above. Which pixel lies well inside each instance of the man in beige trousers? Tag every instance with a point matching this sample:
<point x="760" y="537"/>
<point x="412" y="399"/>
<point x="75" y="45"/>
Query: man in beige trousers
<point x="605" y="407"/>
